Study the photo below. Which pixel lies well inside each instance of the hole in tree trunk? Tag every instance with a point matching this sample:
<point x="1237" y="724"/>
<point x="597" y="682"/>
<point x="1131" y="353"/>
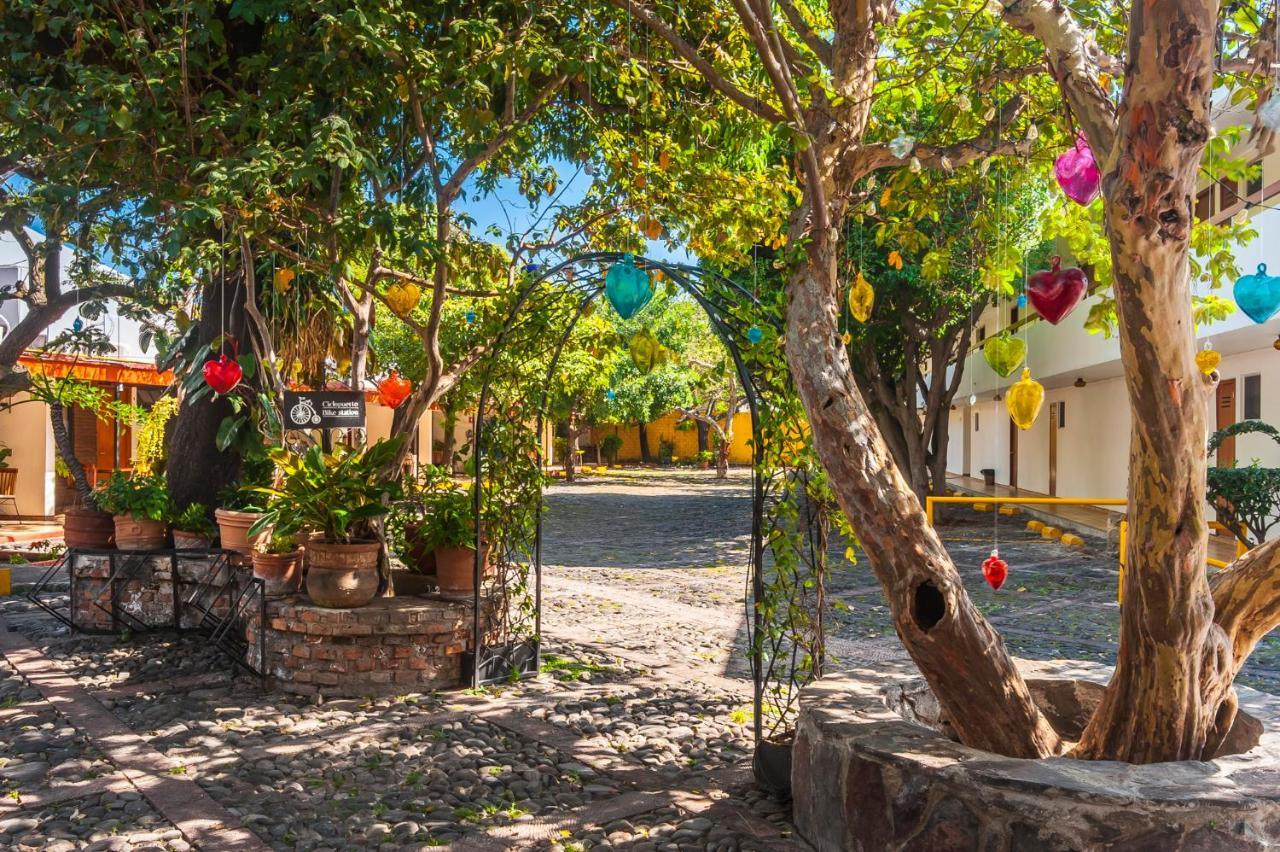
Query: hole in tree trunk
<point x="928" y="607"/>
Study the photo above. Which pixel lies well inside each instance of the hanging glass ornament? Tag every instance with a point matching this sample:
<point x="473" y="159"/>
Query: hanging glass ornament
<point x="973" y="399"/>
<point x="895" y="259"/>
<point x="1025" y="398"/>
<point x="646" y="351"/>
<point x="755" y="334"/>
<point x="222" y="374"/>
<point x="1077" y="172"/>
<point x="1258" y="295"/>
<point x="664" y="160"/>
<point x="650" y="227"/>
<point x="77" y="325"/>
<point x="901" y="145"/>
<point x="471" y="317"/>
<point x="402" y="297"/>
<point x="1022" y="301"/>
<point x="1207" y="360"/>
<point x="627" y="287"/>
<point x="394" y="390"/>
<point x="1055" y="292"/>
<point x="995" y="569"/>
<point x="589" y="169"/>
<point x="611" y="394"/>
<point x="846" y="338"/>
<point x="283" y="278"/>
<point x="861" y="299"/>
<point x="1004" y="353"/>
<point x="532" y="268"/>
<point x="1270" y="111"/>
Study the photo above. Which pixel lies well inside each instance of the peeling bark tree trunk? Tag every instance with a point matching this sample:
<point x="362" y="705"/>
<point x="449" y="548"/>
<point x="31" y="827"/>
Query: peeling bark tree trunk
<point x="1173" y="669"/>
<point x="195" y="468"/>
<point x="67" y="452"/>
<point x="960" y="654"/>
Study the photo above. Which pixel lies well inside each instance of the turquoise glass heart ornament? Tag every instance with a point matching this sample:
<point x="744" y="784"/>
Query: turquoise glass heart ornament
<point x="1258" y="295"/>
<point x="626" y="286"/>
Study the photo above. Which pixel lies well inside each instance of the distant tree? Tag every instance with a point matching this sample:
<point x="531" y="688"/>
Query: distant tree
<point x="1246" y="497"/>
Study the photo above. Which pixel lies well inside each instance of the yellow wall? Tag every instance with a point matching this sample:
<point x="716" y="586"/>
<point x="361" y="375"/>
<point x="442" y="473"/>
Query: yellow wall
<point x="685" y="440"/>
<point x="24" y="428"/>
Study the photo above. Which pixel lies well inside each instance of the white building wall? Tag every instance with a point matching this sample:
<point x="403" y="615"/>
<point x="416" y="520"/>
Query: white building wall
<point x="25" y="428"/>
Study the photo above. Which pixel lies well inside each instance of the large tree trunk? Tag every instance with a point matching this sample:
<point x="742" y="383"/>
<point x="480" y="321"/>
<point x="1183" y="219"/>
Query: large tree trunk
<point x="1173" y="666"/>
<point x="67" y="452"/>
<point x="960" y="654"/>
<point x="645" y="456"/>
<point x="448" y="441"/>
<point x="195" y="468"/>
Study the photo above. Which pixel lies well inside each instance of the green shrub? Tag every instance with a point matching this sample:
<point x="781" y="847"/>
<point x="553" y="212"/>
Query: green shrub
<point x="139" y="495"/>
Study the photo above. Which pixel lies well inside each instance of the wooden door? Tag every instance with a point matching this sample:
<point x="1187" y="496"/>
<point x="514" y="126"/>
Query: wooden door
<point x="1053" y="448"/>
<point x="1013" y="454"/>
<point x="1225" y="417"/>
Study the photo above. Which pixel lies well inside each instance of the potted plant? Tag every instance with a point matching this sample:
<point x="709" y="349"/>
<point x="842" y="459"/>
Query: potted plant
<point x="338" y="496"/>
<point x="192" y="529"/>
<point x="610" y="446"/>
<point x="407" y="533"/>
<point x="451" y="533"/>
<point x="277" y="561"/>
<point x="242" y="505"/>
<point x="139" y="505"/>
<point x="704" y="459"/>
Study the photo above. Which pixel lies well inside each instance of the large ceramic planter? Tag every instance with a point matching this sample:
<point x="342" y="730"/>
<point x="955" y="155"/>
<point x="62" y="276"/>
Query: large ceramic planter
<point x="233" y="529"/>
<point x="875" y="769"/>
<point x="456" y="571"/>
<point x="134" y="533"/>
<point x="88" y="529"/>
<point x="280" y="573"/>
<point x="183" y="540"/>
<point x="342" y="575"/>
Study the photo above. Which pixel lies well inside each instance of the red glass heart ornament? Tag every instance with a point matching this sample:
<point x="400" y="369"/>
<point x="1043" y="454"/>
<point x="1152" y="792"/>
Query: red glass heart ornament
<point x="1056" y="292"/>
<point x="995" y="569"/>
<point x="222" y="374"/>
<point x="393" y="390"/>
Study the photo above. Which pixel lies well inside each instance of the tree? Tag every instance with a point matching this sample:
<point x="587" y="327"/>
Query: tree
<point x="1247" y="498"/>
<point x="1181" y="640"/>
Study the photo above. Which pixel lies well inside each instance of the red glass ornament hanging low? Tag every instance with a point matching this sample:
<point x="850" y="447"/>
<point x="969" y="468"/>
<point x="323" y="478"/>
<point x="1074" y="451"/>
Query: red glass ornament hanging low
<point x="222" y="374"/>
<point x="1056" y="292"/>
<point x="393" y="390"/>
<point x="995" y="569"/>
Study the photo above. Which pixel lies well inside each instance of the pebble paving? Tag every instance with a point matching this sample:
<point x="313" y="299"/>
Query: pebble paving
<point x="643" y="693"/>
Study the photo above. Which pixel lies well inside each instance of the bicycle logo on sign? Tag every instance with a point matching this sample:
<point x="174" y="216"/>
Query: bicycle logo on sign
<point x="304" y="413"/>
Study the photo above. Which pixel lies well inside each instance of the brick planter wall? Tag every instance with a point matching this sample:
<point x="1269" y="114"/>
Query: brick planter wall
<point x="147" y="594"/>
<point x="392" y="645"/>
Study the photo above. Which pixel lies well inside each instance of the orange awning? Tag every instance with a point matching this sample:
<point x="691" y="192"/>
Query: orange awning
<point x="97" y="370"/>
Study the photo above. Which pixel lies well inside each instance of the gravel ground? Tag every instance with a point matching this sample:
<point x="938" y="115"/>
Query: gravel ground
<point x="110" y="821"/>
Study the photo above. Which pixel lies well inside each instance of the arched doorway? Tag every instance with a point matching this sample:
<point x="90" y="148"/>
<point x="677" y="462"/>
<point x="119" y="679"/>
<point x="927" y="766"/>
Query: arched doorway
<point x="787" y="554"/>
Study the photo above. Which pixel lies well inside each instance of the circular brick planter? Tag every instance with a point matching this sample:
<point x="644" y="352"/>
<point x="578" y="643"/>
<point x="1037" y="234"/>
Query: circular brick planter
<point x="871" y="773"/>
<point x="392" y="645"/>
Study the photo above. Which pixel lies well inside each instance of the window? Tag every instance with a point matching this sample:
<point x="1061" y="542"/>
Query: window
<point x="1254" y="185"/>
<point x="1204" y="203"/>
<point x="1228" y="193"/>
<point x="1013" y="315"/>
<point x="975" y="421"/>
<point x="1062" y="414"/>
<point x="982" y="333"/>
<point x="1253" y="397"/>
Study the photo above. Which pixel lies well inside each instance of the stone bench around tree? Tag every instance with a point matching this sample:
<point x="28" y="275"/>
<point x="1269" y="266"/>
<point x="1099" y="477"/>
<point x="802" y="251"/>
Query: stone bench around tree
<point x="872" y="771"/>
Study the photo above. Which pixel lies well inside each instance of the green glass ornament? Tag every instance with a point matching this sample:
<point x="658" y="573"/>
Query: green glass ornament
<point x="1004" y="353"/>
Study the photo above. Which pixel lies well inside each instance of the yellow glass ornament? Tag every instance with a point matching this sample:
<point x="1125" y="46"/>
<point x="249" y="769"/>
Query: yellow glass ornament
<point x="651" y="227"/>
<point x="1024" y="400"/>
<point x="1207" y="360"/>
<point x="403" y="297"/>
<point x="283" y="279"/>
<point x="846" y="338"/>
<point x="895" y="259"/>
<point x="861" y="299"/>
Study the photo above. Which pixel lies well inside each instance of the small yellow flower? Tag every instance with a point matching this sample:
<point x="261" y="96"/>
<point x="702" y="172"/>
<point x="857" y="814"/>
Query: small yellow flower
<point x="895" y="259"/>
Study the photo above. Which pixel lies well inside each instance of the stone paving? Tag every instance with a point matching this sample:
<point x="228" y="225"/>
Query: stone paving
<point x="636" y="736"/>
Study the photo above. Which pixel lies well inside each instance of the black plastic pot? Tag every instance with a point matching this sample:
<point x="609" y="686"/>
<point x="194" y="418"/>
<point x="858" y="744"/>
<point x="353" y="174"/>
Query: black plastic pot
<point x="988" y="476"/>
<point x="772" y="766"/>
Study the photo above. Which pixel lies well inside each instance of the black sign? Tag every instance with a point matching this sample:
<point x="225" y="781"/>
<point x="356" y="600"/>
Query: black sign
<point x="323" y="410"/>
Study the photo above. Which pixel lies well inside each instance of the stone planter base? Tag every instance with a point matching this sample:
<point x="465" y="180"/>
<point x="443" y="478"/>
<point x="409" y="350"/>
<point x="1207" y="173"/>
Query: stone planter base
<point x="870" y="774"/>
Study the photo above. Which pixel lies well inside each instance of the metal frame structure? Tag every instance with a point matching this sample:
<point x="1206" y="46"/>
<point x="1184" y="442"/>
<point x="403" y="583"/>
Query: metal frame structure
<point x="566" y="292"/>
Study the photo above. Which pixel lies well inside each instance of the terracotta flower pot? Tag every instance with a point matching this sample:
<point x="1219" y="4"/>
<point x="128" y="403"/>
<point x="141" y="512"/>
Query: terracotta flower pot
<point x="418" y="556"/>
<point x="191" y="541"/>
<point x="88" y="529"/>
<point x="455" y="570"/>
<point x="407" y="583"/>
<point x="281" y="573"/>
<point x="342" y="575"/>
<point x="233" y="530"/>
<point x="134" y="533"/>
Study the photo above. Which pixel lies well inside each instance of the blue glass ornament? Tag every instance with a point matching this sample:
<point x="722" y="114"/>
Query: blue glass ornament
<point x="471" y="316"/>
<point x="611" y="395"/>
<point x="755" y="334"/>
<point x="627" y="287"/>
<point x="531" y="268"/>
<point x="1258" y="295"/>
<point x="78" y="325"/>
<point x="1022" y="301"/>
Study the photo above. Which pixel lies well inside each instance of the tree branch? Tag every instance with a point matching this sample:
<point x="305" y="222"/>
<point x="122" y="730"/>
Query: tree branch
<point x="1246" y="598"/>
<point x="820" y="46"/>
<point x="986" y="144"/>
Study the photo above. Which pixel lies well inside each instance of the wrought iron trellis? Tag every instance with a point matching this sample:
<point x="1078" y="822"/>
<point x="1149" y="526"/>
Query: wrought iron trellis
<point x="784" y="599"/>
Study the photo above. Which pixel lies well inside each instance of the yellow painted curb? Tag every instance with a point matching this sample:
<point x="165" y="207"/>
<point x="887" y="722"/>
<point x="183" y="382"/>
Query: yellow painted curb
<point x="1010" y="511"/>
<point x="1072" y="540"/>
<point x="5" y="586"/>
<point x="982" y="507"/>
<point x="1051" y="532"/>
<point x="1034" y="525"/>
